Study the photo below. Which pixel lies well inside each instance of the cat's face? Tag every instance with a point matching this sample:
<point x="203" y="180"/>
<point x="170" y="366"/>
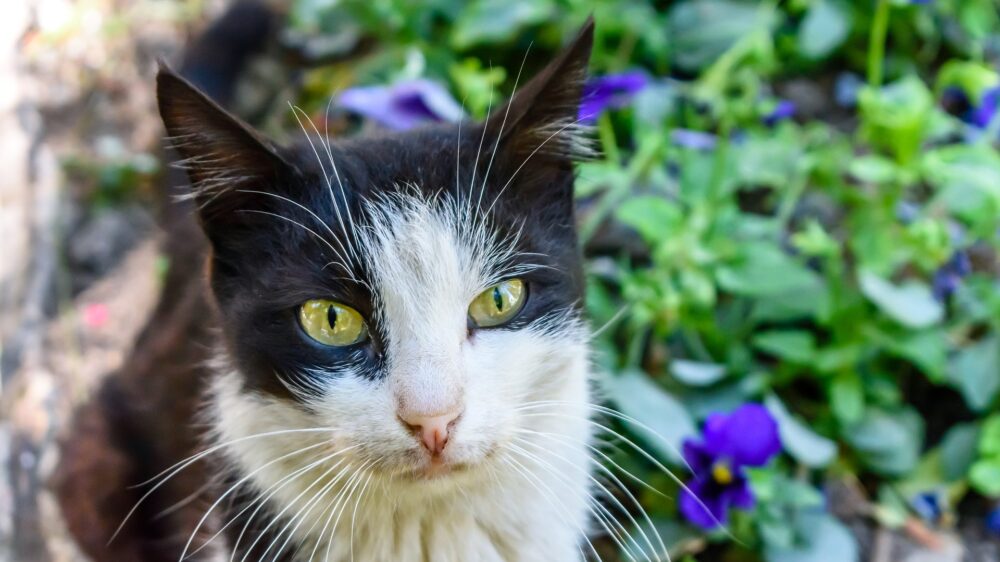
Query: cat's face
<point x="413" y="295"/>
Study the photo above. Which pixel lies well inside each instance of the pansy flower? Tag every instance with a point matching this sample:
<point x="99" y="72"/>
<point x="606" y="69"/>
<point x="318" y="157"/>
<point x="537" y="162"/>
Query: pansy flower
<point x="611" y="91"/>
<point x="930" y="505"/>
<point x="746" y="437"/>
<point x="989" y="103"/>
<point x="783" y="109"/>
<point x="979" y="115"/>
<point x="949" y="276"/>
<point x="403" y="105"/>
<point x="993" y="521"/>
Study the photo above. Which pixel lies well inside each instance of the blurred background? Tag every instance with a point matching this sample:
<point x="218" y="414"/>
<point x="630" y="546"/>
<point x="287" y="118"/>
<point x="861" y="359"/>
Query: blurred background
<point x="793" y="227"/>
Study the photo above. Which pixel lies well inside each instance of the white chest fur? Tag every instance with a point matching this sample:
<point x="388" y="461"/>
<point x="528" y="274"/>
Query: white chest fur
<point x="531" y="502"/>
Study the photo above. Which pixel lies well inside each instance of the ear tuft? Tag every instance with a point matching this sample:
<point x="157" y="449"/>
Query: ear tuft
<point x="542" y="118"/>
<point x="219" y="152"/>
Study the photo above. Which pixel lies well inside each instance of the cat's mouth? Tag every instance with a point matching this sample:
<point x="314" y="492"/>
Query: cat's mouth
<point x="435" y="469"/>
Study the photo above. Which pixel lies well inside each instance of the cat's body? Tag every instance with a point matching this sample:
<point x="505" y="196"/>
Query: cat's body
<point x="431" y="435"/>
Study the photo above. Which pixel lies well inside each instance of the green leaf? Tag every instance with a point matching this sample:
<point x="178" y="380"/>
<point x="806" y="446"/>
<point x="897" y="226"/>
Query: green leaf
<point x="847" y="397"/>
<point x="891" y="510"/>
<point x="695" y="373"/>
<point x="926" y="349"/>
<point x="495" y="21"/>
<point x="772" y="523"/>
<point x="808" y="447"/>
<point x="796" y="346"/>
<point x="975" y="372"/>
<point x="985" y="477"/>
<point x="766" y="162"/>
<point x="654" y="218"/>
<point x="799" y="494"/>
<point x="989" y="441"/>
<point x="636" y="395"/>
<point x="673" y="533"/>
<point x="895" y="117"/>
<point x="809" y="302"/>
<point x="910" y="304"/>
<point x="888" y="442"/>
<point x="765" y="270"/>
<point x="823" y="539"/>
<point x="958" y="450"/>
<point x="723" y="397"/>
<point x="597" y="176"/>
<point x="824" y="29"/>
<point x="837" y="358"/>
<point x="874" y="169"/>
<point x="702" y="30"/>
<point x="966" y="168"/>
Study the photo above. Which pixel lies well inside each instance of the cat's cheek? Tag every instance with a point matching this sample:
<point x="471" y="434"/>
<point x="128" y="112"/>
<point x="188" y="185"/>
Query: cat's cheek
<point x="512" y="373"/>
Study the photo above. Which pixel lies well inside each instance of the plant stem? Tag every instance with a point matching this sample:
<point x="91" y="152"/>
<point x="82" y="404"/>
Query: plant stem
<point x="609" y="144"/>
<point x="636" y="348"/>
<point x="876" y="43"/>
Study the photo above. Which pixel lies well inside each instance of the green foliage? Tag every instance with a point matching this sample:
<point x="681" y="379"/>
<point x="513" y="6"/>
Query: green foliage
<point x="111" y="174"/>
<point x="799" y="263"/>
<point x="985" y="473"/>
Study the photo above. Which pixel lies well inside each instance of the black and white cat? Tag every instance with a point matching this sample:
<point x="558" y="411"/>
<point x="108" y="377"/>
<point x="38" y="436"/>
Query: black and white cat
<point x="403" y="368"/>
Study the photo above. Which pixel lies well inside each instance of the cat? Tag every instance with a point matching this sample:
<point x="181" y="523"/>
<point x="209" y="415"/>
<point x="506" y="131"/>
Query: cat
<point x="402" y="367"/>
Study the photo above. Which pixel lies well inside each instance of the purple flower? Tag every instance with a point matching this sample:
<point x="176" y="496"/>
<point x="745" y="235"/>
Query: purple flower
<point x="949" y="276"/>
<point x="993" y="521"/>
<point x="696" y="140"/>
<point x="957" y="102"/>
<point x="610" y="92"/>
<point x="981" y="115"/>
<point x="403" y="105"/>
<point x="929" y="505"/>
<point x="730" y="442"/>
<point x="784" y="109"/>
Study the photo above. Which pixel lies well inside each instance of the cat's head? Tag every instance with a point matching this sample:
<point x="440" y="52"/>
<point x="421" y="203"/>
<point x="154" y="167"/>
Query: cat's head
<point x="406" y="299"/>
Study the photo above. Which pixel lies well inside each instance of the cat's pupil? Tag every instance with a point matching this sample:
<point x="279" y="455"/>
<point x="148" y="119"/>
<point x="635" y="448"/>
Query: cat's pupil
<point x="498" y="299"/>
<point x="331" y="316"/>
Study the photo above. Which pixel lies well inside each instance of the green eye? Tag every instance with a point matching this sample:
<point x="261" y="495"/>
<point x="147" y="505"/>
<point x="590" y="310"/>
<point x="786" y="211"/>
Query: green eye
<point x="498" y="304"/>
<point x="332" y="323"/>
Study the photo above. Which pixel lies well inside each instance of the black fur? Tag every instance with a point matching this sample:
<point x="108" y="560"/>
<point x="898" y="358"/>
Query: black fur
<point x="264" y="266"/>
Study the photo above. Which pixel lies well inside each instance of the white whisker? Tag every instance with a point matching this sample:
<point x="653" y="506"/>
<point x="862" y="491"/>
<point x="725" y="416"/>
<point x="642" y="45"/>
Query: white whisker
<point x="274" y="489"/>
<point x="621" y="486"/>
<point x="496" y="145"/>
<point x="312" y="214"/>
<point x="605" y="513"/>
<point x="297" y="223"/>
<point x="533" y="152"/>
<point x="349" y="233"/>
<point x="551" y="498"/>
<point x="177" y="468"/>
<point x="232" y="489"/>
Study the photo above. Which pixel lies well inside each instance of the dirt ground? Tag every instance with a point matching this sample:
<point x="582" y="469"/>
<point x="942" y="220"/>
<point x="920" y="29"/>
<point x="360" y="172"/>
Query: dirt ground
<point x="78" y="276"/>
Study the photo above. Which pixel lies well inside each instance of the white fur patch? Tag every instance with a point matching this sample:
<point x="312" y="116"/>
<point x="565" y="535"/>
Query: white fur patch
<point x="522" y="491"/>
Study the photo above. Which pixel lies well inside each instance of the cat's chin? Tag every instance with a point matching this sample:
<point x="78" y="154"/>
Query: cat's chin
<point x="437" y="470"/>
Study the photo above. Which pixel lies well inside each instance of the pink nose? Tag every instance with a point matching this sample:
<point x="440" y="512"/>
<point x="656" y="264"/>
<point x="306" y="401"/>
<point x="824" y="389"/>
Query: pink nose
<point x="431" y="430"/>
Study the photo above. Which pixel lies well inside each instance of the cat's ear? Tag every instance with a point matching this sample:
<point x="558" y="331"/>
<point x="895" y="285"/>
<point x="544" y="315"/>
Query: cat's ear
<point x="541" y="121"/>
<point x="223" y="156"/>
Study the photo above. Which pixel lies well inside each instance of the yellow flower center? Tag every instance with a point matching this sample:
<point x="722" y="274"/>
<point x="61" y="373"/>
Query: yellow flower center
<point x="722" y="473"/>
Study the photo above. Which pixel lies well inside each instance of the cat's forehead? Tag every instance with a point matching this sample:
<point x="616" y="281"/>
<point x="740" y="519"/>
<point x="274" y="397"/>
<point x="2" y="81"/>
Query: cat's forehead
<point x="432" y="159"/>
